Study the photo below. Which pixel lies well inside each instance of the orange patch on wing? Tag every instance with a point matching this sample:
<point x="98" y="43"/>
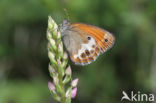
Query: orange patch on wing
<point x="78" y="60"/>
<point x="94" y="31"/>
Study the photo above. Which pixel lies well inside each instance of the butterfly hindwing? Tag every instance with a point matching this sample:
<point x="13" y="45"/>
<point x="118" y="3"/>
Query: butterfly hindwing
<point x="87" y="53"/>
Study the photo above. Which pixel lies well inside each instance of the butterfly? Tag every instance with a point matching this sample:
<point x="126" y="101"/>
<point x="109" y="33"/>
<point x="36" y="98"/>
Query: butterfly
<point x="85" y="42"/>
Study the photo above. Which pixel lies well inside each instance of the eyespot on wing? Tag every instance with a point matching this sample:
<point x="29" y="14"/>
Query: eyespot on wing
<point x="104" y="39"/>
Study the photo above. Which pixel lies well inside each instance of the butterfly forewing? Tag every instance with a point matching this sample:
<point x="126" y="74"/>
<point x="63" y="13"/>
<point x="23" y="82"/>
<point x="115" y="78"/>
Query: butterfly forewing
<point x="104" y="39"/>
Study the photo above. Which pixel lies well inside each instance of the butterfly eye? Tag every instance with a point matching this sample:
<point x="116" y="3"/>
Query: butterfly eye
<point x="88" y="37"/>
<point x="106" y="40"/>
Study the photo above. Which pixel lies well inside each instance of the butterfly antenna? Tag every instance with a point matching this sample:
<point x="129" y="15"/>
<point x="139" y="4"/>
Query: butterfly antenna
<point x="66" y="13"/>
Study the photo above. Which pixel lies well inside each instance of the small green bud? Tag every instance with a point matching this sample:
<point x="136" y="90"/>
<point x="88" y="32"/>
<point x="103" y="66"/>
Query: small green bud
<point x="68" y="92"/>
<point x="68" y="71"/>
<point x="59" y="65"/>
<point x="60" y="50"/>
<point x="55" y="32"/>
<point x="52" y="58"/>
<point x="53" y="44"/>
<point x="67" y="79"/>
<point x="50" y="22"/>
<point x="52" y="71"/>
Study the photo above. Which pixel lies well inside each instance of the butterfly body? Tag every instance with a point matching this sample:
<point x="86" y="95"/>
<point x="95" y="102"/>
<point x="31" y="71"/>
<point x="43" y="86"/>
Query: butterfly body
<point x="84" y="42"/>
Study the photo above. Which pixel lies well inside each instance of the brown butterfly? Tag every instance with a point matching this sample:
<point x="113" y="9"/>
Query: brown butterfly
<point x="84" y="42"/>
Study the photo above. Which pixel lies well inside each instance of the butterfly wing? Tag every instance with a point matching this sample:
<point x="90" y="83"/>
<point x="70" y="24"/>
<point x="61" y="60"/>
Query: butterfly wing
<point x="94" y="42"/>
<point x="104" y="39"/>
<point x="87" y="53"/>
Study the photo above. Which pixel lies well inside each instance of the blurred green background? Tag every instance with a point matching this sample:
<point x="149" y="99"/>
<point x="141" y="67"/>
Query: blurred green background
<point x="130" y="65"/>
